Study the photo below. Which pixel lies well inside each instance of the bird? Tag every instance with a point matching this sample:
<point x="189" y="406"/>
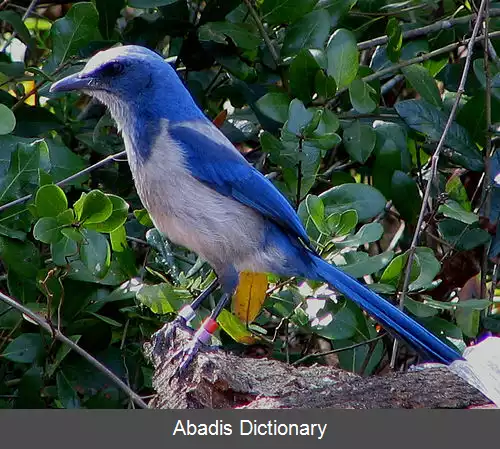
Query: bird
<point x="202" y="194"/>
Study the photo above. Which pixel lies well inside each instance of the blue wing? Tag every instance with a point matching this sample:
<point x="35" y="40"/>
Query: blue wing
<point x="213" y="160"/>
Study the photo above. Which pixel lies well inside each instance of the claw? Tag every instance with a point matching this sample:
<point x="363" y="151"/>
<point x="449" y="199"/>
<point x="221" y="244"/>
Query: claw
<point x="162" y="340"/>
<point x="188" y="353"/>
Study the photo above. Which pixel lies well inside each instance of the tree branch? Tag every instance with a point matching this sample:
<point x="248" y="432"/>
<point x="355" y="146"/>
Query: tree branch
<point x="434" y="166"/>
<point x="62" y="338"/>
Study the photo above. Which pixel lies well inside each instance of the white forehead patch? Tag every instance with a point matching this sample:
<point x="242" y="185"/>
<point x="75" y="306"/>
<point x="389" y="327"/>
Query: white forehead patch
<point x="116" y="53"/>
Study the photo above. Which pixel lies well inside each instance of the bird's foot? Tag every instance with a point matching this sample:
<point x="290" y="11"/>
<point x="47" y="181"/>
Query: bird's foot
<point x="162" y="340"/>
<point x="186" y="355"/>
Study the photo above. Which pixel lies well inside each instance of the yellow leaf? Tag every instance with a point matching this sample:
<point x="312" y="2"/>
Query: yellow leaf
<point x="249" y="296"/>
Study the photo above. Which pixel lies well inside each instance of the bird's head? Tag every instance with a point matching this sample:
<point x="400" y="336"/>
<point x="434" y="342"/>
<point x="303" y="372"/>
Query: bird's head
<point x="132" y="81"/>
<point x="123" y="72"/>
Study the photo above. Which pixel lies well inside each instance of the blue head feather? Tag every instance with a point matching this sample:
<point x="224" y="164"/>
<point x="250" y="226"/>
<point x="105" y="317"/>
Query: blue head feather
<point x="139" y="88"/>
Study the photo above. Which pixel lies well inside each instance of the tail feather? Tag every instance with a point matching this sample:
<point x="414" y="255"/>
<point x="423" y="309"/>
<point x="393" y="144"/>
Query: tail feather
<point x="386" y="314"/>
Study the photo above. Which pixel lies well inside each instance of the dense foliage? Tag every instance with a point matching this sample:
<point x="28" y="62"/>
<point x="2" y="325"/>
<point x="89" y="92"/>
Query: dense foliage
<point x="320" y="96"/>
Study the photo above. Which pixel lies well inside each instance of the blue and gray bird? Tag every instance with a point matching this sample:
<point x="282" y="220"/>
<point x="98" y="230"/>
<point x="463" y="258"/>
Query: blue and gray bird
<point x="203" y="194"/>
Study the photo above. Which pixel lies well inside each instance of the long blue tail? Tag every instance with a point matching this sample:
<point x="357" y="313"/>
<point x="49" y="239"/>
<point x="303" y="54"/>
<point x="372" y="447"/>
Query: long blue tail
<point x="386" y="314"/>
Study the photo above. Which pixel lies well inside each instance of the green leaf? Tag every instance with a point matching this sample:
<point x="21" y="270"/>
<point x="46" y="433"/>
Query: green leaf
<point x="336" y="326"/>
<point x="456" y="190"/>
<point x="118" y="239"/>
<point x="66" y="393"/>
<point x="77" y="29"/>
<point x="18" y="25"/>
<point x="406" y="196"/>
<point x="368" y="233"/>
<point x="93" y="207"/>
<point x="47" y="230"/>
<point x="243" y="35"/>
<point x="367" y="201"/>
<point x="478" y="67"/>
<point x="468" y="321"/>
<point x="346" y="222"/>
<point x="149" y="3"/>
<point x="420" y="309"/>
<point x="21" y="257"/>
<point x="395" y="39"/>
<point x="109" y="12"/>
<point x="12" y="69"/>
<point x="359" y="141"/>
<point x="310" y="31"/>
<point x="423" y="82"/>
<point x="233" y="326"/>
<point x="276" y="12"/>
<point x="343" y="58"/>
<point x="63" y="250"/>
<point x="429" y="268"/>
<point x="315" y="213"/>
<point x="452" y="209"/>
<point x="361" y="94"/>
<point x="391" y="154"/>
<point x="274" y="105"/>
<point x="359" y="264"/>
<point x="117" y="218"/>
<point x="61" y="354"/>
<point x="430" y="121"/>
<point x="457" y="235"/>
<point x="324" y="85"/>
<point x="106" y="319"/>
<point x="302" y="75"/>
<point x="95" y="253"/>
<point x="29" y="390"/>
<point x="50" y="201"/>
<point x="24" y="349"/>
<point x="299" y="117"/>
<point x="7" y="120"/>
<point x="161" y="298"/>
<point x="394" y="273"/>
<point x="143" y="217"/>
<point x="23" y="171"/>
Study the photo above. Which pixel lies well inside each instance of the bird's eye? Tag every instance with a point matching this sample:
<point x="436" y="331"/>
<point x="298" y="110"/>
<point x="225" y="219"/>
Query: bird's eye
<point x="112" y="69"/>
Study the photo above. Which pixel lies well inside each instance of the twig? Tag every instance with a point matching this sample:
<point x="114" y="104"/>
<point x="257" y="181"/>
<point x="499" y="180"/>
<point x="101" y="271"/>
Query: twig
<point x="26" y="14"/>
<point x="69" y="178"/>
<point x="335" y="351"/>
<point x="424" y="31"/>
<point x="434" y="167"/>
<point x="411" y="61"/>
<point x="62" y="338"/>
<point x="487" y="147"/>
<point x="263" y="32"/>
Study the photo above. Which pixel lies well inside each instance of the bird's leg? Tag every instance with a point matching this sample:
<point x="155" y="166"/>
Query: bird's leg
<point x="163" y="338"/>
<point x="202" y="336"/>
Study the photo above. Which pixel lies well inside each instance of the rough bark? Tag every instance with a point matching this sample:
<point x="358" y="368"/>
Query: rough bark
<point x="217" y="379"/>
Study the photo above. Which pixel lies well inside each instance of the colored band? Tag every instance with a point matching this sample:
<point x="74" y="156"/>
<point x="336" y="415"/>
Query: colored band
<point x="210" y="325"/>
<point x="187" y="313"/>
<point x="203" y="335"/>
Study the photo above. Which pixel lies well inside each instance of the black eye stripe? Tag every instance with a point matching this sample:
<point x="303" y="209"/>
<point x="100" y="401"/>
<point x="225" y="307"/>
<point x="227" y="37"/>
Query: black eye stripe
<point x="112" y="69"/>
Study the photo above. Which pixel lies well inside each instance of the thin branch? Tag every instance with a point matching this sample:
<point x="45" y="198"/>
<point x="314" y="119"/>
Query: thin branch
<point x="26" y="14"/>
<point x="424" y="31"/>
<point x="411" y="61"/>
<point x="487" y="147"/>
<point x="335" y="351"/>
<point x="263" y="32"/>
<point x="62" y="338"/>
<point x="69" y="178"/>
<point x="434" y="167"/>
